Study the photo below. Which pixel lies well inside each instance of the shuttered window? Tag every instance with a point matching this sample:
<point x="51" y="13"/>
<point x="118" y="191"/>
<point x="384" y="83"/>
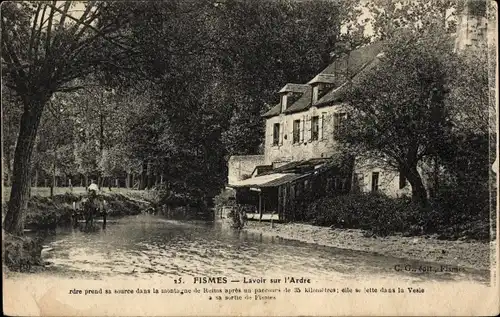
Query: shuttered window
<point x="375" y="180"/>
<point x="307" y="129"/>
<point x="296" y="131"/>
<point x="321" y="126"/>
<point x="314" y="128"/>
<point x="276" y="134"/>
<point x="302" y="128"/>
<point x="338" y="122"/>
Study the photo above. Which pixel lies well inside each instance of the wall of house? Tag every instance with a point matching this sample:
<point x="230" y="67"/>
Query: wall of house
<point x="388" y="177"/>
<point x="287" y="151"/>
<point x="241" y="167"/>
<point x="388" y="181"/>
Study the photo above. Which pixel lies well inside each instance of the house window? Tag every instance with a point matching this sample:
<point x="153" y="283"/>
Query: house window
<point x="314" y="128"/>
<point x="375" y="179"/>
<point x="276" y="134"/>
<point x="323" y="89"/>
<point x="358" y="182"/>
<point x="338" y="184"/>
<point x="296" y="131"/>
<point x="292" y="98"/>
<point x="338" y="122"/>
<point x="323" y="118"/>
<point x="402" y="180"/>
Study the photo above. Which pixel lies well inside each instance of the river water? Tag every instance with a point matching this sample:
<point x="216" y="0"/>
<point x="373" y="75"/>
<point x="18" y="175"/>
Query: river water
<point x="149" y="247"/>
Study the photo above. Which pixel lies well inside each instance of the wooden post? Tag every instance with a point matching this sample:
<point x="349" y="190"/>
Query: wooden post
<point x="278" y="207"/>
<point x="260" y="206"/>
<point x="104" y="220"/>
<point x="285" y="190"/>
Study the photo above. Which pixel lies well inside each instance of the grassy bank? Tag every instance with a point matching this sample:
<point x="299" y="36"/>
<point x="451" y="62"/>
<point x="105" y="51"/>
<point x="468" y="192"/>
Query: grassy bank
<point x="45" y="191"/>
<point x="449" y="218"/>
<point x="48" y="213"/>
<point x="465" y="254"/>
<point x="453" y="229"/>
<point x="22" y="253"/>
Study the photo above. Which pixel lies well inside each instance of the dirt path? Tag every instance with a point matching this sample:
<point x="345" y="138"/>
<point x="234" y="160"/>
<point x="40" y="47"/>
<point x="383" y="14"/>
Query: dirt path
<point x="471" y="254"/>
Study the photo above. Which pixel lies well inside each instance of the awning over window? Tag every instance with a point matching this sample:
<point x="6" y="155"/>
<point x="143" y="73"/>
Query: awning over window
<point x="270" y="180"/>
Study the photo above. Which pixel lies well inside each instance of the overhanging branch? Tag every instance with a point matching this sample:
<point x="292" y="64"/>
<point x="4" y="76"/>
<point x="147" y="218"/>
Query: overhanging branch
<point x="89" y="26"/>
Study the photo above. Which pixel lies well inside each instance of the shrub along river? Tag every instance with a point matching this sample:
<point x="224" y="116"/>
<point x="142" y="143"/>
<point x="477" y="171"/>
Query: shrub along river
<point x="145" y="246"/>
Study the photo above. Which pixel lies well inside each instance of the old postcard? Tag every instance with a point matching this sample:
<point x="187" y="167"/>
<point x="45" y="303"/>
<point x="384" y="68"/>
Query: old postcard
<point x="250" y="158"/>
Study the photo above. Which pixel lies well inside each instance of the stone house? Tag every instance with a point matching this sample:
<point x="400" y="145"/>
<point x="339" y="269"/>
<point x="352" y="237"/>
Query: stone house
<point x="300" y="147"/>
<point x="300" y="143"/>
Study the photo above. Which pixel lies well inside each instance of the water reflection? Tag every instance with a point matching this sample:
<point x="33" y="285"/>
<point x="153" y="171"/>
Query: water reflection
<point x="148" y="246"/>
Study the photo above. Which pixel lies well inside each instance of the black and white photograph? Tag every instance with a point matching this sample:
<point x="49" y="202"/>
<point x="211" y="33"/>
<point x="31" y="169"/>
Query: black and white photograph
<point x="249" y="157"/>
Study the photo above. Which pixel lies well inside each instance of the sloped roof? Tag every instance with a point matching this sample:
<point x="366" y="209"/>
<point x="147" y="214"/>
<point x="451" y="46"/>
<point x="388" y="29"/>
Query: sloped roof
<point x="260" y="169"/>
<point x="302" y="103"/>
<point x="324" y="78"/>
<point x="294" y="88"/>
<point x="274" y="111"/>
<point x="355" y="64"/>
<point x="286" y="173"/>
<point x="284" y="180"/>
<point x="337" y="94"/>
<point x="356" y="59"/>
<point x="298" y="167"/>
<point x="269" y="180"/>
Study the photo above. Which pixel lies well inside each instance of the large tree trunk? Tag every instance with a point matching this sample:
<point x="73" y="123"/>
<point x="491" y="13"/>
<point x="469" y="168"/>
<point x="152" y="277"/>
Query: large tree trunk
<point x="19" y="195"/>
<point x="418" y="191"/>
<point x="6" y="165"/>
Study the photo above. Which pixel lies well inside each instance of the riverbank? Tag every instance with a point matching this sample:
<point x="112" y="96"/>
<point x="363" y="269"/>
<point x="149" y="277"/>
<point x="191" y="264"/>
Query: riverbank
<point x="23" y="253"/>
<point x="48" y="213"/>
<point x="467" y="254"/>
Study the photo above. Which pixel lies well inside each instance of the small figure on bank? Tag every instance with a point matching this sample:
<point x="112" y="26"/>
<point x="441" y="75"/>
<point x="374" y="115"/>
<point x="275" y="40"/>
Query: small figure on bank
<point x="238" y="215"/>
<point x="90" y="206"/>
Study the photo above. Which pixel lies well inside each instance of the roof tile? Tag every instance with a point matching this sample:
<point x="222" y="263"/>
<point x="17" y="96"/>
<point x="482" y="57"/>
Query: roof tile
<point x="359" y="61"/>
